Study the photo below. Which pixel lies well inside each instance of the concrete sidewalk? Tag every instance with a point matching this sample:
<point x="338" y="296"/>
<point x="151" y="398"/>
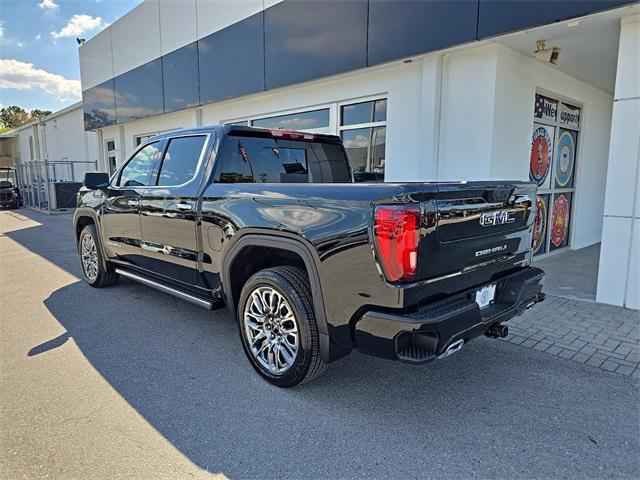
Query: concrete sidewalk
<point x="598" y="335"/>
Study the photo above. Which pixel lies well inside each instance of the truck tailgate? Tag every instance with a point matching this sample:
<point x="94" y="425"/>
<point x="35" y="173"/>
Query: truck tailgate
<point x="476" y="224"/>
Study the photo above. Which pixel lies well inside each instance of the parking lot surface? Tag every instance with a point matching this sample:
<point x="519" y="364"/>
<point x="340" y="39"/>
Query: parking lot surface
<point x="127" y="382"/>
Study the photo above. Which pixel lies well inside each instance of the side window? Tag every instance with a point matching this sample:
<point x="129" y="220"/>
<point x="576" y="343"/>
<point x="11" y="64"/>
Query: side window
<point x="262" y="160"/>
<point x="232" y="164"/>
<point x="137" y="172"/>
<point x="180" y="160"/>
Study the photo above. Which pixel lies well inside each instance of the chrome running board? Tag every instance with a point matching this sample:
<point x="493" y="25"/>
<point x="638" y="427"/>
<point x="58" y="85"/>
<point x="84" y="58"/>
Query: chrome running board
<point x="163" y="288"/>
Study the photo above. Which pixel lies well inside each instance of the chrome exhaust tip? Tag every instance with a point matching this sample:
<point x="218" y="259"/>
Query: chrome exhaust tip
<point x="453" y="348"/>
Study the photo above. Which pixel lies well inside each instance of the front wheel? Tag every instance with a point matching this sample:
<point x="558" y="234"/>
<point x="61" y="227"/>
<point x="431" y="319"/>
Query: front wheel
<point x="278" y="326"/>
<point x="93" y="268"/>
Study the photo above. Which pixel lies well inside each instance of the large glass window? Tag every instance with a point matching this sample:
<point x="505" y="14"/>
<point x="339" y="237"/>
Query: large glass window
<point x="180" y="78"/>
<point x="268" y="160"/>
<point x="552" y="164"/>
<point x="363" y="131"/>
<point x="138" y="92"/>
<point x="310" y="120"/>
<point x="364" y="112"/>
<point x="137" y="172"/>
<point x="180" y="160"/>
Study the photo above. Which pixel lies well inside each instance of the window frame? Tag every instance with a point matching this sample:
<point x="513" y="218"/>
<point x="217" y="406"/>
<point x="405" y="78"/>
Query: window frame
<point x="329" y="129"/>
<point x="552" y="191"/>
<point x="334" y="107"/>
<point x="115" y="179"/>
<point x="111" y="153"/>
<point x="150" y="135"/>
<point x="357" y="126"/>
<point x="355" y="101"/>
<point x="201" y="157"/>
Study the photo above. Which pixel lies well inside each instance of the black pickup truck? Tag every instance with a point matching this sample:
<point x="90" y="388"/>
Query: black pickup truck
<point x="311" y="264"/>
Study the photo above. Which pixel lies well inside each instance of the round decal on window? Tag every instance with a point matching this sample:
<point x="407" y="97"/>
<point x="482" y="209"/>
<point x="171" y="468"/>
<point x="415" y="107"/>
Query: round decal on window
<point x="540" y="226"/>
<point x="564" y="159"/>
<point x="540" y="156"/>
<point x="560" y="220"/>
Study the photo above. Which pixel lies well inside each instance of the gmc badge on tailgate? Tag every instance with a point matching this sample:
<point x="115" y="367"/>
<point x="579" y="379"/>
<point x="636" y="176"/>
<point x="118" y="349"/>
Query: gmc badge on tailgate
<point x="500" y="217"/>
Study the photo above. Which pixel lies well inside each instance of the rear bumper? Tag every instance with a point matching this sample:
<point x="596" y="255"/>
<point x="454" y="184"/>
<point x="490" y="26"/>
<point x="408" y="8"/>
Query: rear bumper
<point x="423" y="335"/>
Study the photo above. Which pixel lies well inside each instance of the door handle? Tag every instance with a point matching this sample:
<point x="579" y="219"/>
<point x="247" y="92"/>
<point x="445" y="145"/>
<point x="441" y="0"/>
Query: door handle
<point x="183" y="207"/>
<point x="133" y="203"/>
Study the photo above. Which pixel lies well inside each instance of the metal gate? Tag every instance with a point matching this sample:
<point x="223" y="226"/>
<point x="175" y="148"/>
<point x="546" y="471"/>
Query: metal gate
<point x="52" y="185"/>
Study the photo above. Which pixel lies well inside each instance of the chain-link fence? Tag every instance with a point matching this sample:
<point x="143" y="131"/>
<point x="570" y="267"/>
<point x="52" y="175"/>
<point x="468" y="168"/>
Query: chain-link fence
<point x="52" y="185"/>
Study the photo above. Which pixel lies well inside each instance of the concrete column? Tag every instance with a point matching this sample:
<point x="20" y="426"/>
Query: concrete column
<point x="619" y="273"/>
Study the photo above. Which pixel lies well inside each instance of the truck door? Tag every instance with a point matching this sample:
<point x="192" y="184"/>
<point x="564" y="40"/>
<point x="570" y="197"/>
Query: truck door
<point x="168" y="209"/>
<point x="120" y="217"/>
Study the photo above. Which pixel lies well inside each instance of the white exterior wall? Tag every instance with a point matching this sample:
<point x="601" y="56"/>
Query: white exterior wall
<point x="410" y="115"/>
<point x="486" y="125"/>
<point x="62" y="138"/>
<point x="465" y="114"/>
<point x="619" y="274"/>
<point x="518" y="77"/>
<point x="407" y="110"/>
<point x="23" y="144"/>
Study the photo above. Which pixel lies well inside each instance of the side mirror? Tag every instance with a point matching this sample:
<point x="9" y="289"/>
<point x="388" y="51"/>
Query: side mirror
<point x="96" y="180"/>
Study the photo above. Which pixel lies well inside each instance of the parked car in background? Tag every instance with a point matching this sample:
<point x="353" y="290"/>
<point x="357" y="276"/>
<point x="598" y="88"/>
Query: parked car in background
<point x="312" y="265"/>
<point x="9" y="191"/>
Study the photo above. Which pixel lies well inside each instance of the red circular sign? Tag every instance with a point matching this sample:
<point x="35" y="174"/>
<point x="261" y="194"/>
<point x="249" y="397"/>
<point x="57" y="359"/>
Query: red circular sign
<point x="540" y="155"/>
<point x="560" y="221"/>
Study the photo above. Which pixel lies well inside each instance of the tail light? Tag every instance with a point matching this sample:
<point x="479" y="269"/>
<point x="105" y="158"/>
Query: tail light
<point x="396" y="231"/>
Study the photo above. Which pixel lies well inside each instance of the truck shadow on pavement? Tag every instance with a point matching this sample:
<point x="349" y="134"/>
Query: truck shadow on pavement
<point x="492" y="410"/>
<point x="183" y="369"/>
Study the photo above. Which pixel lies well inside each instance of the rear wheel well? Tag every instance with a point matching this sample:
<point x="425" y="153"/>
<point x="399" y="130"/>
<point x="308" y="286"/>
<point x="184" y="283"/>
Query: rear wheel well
<point x="254" y="258"/>
<point x="81" y="223"/>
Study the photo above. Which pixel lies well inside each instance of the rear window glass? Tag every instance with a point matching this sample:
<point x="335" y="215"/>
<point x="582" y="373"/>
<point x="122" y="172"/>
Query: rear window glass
<point x="268" y="160"/>
<point x="180" y="160"/>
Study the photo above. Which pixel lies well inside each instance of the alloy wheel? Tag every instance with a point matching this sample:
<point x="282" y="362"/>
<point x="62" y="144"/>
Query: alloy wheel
<point x="89" y="254"/>
<point x="271" y="330"/>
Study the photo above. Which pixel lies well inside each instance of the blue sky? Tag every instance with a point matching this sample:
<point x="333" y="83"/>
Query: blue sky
<point x="38" y="51"/>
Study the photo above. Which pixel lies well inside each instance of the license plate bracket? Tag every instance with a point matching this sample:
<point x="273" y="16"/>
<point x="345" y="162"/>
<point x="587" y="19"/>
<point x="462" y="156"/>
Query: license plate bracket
<point x="485" y="296"/>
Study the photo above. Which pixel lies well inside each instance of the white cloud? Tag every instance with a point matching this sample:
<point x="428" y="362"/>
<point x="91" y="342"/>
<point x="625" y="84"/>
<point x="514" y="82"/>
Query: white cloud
<point x="49" y="5"/>
<point x="79" y="24"/>
<point x="24" y="76"/>
<point x="19" y="44"/>
<point x="1" y="29"/>
<point x="38" y="36"/>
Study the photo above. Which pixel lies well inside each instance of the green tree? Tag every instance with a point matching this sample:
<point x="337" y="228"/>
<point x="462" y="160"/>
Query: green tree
<point x="14" y="116"/>
<point x="36" y="113"/>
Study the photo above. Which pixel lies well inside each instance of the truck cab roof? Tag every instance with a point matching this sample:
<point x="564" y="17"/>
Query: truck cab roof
<point x="248" y="131"/>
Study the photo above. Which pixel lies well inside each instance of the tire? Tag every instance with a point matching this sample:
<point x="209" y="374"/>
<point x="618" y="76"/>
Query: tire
<point x="95" y="275"/>
<point x="292" y="285"/>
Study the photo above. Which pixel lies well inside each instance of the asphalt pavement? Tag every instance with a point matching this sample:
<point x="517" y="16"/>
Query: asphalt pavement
<point x="127" y="382"/>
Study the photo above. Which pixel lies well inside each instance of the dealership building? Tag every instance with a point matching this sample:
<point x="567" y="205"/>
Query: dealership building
<point x="418" y="90"/>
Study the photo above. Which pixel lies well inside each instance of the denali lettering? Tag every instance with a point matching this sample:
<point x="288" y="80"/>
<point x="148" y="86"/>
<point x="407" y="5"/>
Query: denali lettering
<point x="479" y="253"/>
<point x="500" y="217"/>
